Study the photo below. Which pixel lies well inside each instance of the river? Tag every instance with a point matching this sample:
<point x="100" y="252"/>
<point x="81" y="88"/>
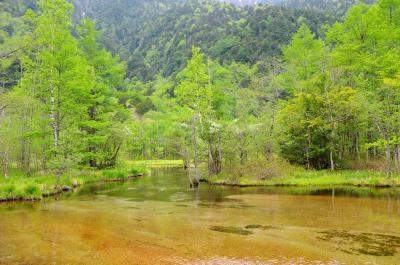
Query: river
<point x="158" y="220"/>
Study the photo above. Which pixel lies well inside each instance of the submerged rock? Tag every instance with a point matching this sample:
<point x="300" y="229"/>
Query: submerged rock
<point x="263" y="227"/>
<point x="231" y="230"/>
<point x="66" y="188"/>
<point x="75" y="183"/>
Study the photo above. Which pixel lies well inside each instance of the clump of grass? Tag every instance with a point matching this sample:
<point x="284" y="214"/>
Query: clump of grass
<point x="115" y="174"/>
<point x="136" y="170"/>
<point x="10" y="188"/>
<point x="32" y="191"/>
<point x="122" y="173"/>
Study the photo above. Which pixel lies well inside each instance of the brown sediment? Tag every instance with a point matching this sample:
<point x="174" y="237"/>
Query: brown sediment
<point x="105" y="232"/>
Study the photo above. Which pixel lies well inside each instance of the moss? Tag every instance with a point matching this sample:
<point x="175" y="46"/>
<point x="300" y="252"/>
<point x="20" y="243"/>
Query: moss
<point x="362" y="243"/>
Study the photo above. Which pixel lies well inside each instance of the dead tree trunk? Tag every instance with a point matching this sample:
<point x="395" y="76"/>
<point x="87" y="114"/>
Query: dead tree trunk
<point x="196" y="173"/>
<point x="219" y="151"/>
<point x="54" y="118"/>
<point x="185" y="158"/>
<point x="29" y="155"/>
<point x="388" y="160"/>
<point x="23" y="140"/>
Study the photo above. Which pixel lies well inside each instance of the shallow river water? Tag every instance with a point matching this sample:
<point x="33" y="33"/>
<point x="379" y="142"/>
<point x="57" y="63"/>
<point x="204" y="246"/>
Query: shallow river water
<point x="159" y="220"/>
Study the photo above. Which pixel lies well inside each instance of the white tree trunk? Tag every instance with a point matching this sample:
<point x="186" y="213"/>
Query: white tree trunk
<point x="53" y="118"/>
<point x="196" y="173"/>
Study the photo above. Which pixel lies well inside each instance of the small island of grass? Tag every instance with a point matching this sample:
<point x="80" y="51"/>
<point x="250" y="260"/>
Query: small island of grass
<point x="19" y="187"/>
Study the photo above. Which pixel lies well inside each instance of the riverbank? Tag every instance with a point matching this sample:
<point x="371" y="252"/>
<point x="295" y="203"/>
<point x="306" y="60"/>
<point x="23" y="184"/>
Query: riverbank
<point x="300" y="177"/>
<point x="19" y="187"/>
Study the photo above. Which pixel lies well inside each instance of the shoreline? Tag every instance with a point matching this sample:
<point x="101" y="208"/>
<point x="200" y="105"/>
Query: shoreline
<point x="64" y="189"/>
<point x="299" y="185"/>
<point x="348" y="178"/>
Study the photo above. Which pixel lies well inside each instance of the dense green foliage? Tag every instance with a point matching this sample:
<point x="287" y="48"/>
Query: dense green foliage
<point x="328" y="103"/>
<point x="225" y="84"/>
<point x="157" y="36"/>
<point x="338" y="7"/>
<point x="69" y="89"/>
<point x="334" y="7"/>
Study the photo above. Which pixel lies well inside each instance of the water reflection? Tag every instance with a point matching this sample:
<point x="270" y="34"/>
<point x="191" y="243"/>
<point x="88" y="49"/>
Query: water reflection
<point x="160" y="220"/>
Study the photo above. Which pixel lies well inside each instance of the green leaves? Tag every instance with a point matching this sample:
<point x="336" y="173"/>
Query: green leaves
<point x="156" y="37"/>
<point x="194" y="90"/>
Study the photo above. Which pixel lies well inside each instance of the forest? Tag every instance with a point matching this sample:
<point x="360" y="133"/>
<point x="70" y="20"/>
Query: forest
<point x="200" y="132"/>
<point x="256" y="94"/>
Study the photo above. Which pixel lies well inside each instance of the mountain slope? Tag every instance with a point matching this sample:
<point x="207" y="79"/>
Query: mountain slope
<point x="251" y="2"/>
<point x="335" y="7"/>
<point x="157" y="35"/>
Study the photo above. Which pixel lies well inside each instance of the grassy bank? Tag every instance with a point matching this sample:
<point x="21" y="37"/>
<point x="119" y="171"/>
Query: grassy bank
<point x="287" y="175"/>
<point x="43" y="184"/>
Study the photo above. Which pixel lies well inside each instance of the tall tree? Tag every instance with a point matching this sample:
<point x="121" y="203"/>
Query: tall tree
<point x="105" y="115"/>
<point x="57" y="74"/>
<point x="194" y="91"/>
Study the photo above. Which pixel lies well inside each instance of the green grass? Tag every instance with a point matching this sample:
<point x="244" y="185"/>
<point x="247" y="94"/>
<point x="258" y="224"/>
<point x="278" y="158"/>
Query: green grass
<point x="155" y="163"/>
<point x="302" y="177"/>
<point x="41" y="184"/>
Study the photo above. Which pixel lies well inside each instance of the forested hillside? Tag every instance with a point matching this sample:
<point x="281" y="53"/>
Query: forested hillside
<point x="235" y="87"/>
<point x="157" y="36"/>
<point x="335" y="7"/>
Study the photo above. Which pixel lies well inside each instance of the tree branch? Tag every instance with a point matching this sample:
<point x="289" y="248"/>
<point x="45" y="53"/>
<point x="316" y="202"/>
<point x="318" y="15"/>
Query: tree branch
<point x="8" y="54"/>
<point x="3" y="107"/>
